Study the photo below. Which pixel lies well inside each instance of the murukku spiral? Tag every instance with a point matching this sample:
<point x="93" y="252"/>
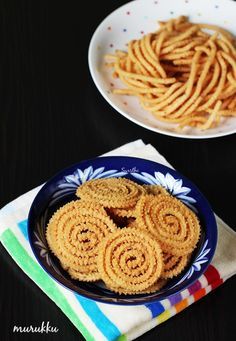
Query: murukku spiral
<point x="129" y="261"/>
<point x="172" y="223"/>
<point x="74" y="233"/>
<point x="158" y="285"/>
<point x="128" y="212"/>
<point x="111" y="192"/>
<point x="173" y="265"/>
<point x="155" y="189"/>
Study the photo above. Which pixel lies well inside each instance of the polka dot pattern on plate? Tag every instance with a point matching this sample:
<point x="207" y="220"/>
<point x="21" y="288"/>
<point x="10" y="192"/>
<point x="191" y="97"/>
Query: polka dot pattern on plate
<point x="132" y="21"/>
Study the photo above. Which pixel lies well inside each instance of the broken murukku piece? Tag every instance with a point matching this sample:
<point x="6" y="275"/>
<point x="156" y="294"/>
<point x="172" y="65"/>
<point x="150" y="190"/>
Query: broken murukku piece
<point x="172" y="223"/>
<point x="129" y="261"/>
<point x="111" y="192"/>
<point x="74" y="234"/>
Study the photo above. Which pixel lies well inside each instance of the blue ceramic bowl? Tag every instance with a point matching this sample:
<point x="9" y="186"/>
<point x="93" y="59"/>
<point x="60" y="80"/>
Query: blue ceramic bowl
<point x="61" y="189"/>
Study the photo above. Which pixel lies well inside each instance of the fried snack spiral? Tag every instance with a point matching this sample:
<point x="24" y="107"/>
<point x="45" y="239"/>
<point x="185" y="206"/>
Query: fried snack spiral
<point x="74" y="234"/>
<point x="174" y="225"/>
<point x="158" y="285"/>
<point x="129" y="262"/>
<point x="111" y="192"/>
<point x="155" y="189"/>
<point x="173" y="265"/>
<point x="180" y="73"/>
<point x="128" y="212"/>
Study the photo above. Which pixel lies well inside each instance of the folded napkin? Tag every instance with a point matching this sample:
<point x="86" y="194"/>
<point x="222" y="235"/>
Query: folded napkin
<point x="99" y="321"/>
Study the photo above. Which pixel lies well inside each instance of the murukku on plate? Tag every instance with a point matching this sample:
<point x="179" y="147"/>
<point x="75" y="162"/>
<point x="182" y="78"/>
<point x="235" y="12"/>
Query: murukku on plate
<point x="74" y="234"/>
<point x="129" y="261"/>
<point x="172" y="223"/>
<point x="180" y="73"/>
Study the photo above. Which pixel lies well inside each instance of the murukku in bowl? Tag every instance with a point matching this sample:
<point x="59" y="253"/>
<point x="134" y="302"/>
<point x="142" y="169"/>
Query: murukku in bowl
<point x="122" y="230"/>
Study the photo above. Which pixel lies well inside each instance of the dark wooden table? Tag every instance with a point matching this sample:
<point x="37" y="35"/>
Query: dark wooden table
<point x="52" y="116"/>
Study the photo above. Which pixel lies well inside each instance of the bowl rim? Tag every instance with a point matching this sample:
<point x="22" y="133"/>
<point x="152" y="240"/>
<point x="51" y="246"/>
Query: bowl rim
<point x="135" y="299"/>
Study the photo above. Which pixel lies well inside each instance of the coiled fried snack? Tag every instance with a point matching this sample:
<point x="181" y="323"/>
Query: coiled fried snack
<point x="111" y="192"/>
<point x="172" y="223"/>
<point x="129" y="262"/>
<point x="74" y="233"/>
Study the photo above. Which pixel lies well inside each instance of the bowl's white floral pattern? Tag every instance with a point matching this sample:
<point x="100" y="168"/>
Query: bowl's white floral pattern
<point x="197" y="264"/>
<point x="79" y="176"/>
<point x="172" y="185"/>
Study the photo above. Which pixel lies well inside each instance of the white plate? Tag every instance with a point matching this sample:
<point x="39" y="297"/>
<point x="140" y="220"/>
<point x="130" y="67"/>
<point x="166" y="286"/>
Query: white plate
<point x="133" y="20"/>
